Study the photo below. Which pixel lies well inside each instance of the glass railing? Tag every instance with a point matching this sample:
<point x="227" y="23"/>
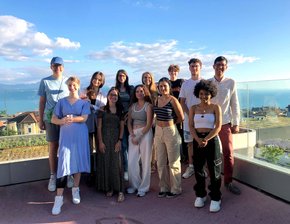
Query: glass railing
<point x="265" y="122"/>
<point x="264" y="135"/>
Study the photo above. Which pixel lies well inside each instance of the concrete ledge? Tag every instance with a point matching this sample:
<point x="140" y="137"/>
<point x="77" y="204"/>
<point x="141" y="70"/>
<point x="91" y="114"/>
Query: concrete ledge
<point x="24" y="171"/>
<point x="260" y="174"/>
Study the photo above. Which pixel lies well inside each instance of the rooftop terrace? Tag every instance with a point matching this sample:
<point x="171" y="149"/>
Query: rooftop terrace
<point x="32" y="203"/>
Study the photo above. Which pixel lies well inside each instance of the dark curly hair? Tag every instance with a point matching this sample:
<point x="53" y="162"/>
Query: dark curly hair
<point x="206" y="85"/>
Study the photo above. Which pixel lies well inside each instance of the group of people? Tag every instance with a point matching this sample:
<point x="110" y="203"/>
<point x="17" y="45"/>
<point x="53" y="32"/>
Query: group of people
<point x="135" y="130"/>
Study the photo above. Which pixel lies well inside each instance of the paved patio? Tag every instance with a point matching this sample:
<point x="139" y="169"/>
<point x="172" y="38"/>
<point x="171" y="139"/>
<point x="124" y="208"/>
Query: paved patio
<point x="32" y="203"/>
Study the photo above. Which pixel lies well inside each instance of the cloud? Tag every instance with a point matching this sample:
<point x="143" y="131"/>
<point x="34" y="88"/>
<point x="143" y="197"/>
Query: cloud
<point x="22" y="75"/>
<point x="19" y="40"/>
<point x="146" y="4"/>
<point x="156" y="57"/>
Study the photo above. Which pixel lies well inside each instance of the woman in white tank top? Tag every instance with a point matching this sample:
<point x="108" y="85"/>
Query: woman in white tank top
<point x="205" y="123"/>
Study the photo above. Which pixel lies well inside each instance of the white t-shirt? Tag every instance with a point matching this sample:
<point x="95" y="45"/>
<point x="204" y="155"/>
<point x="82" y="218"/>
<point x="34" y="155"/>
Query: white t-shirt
<point x="186" y="92"/>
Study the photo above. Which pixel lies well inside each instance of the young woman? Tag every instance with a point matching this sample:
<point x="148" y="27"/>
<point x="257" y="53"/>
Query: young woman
<point x="109" y="158"/>
<point x="96" y="83"/>
<point x="205" y="123"/>
<point x="167" y="140"/>
<point x="140" y="118"/>
<point x="74" y="153"/>
<point x="148" y="81"/>
<point x="125" y="91"/>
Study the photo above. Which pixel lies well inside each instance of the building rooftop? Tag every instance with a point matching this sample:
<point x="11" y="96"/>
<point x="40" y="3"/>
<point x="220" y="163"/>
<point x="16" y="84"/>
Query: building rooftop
<point x="32" y="203"/>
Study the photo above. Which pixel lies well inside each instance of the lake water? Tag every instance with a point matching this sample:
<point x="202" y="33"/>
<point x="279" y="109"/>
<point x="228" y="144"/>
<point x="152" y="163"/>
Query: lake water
<point x="21" y="100"/>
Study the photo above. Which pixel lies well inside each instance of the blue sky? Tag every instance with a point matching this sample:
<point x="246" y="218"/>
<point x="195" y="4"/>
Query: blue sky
<point x="143" y="36"/>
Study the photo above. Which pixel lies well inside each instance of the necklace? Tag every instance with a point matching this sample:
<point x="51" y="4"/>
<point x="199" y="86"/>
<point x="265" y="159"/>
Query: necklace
<point x="203" y="111"/>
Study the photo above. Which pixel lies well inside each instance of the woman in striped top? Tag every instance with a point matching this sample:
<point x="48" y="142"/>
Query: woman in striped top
<point x="167" y="140"/>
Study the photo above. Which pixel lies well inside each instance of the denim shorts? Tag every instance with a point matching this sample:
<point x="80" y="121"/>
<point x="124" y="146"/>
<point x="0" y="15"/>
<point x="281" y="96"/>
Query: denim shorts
<point x="187" y="136"/>
<point x="52" y="132"/>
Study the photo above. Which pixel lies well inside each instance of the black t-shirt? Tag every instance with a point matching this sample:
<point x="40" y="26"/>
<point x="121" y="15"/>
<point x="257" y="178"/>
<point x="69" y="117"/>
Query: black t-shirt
<point x="176" y="86"/>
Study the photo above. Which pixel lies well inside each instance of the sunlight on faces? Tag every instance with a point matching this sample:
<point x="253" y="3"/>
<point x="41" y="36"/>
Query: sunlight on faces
<point x="164" y="87"/>
<point x="122" y="77"/>
<point x="173" y="74"/>
<point x="195" y="68"/>
<point x="220" y="67"/>
<point x="204" y="96"/>
<point x="73" y="84"/>
<point x="57" y="68"/>
<point x="113" y="96"/>
<point x="140" y="93"/>
<point x="147" y="79"/>
<point x="97" y="81"/>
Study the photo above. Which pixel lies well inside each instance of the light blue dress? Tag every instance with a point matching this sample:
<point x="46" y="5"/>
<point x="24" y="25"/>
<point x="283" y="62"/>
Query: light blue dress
<point x="74" y="149"/>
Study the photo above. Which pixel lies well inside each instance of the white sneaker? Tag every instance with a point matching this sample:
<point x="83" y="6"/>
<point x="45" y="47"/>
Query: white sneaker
<point x="141" y="194"/>
<point x="131" y="190"/>
<point x="76" y="199"/>
<point x="126" y="176"/>
<point x="70" y="181"/>
<point x="188" y="172"/>
<point x="215" y="206"/>
<point x="199" y="202"/>
<point x="58" y="202"/>
<point x="52" y="183"/>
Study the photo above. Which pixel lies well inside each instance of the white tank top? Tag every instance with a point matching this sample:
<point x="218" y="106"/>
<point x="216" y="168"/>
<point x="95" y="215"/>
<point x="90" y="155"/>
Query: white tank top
<point x="204" y="121"/>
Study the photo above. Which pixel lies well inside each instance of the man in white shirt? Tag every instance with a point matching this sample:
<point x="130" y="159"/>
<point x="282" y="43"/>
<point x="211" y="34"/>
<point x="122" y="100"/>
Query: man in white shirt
<point x="227" y="98"/>
<point x="187" y="99"/>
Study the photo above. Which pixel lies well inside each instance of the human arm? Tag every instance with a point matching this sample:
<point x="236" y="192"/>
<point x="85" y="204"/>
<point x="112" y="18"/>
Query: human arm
<point x="102" y="146"/>
<point x="42" y="101"/>
<point x="148" y="126"/>
<point x="218" y="123"/>
<point x="177" y="109"/>
<point x="183" y="105"/>
<point x="118" y="145"/>
<point x="235" y="108"/>
<point x="192" y="126"/>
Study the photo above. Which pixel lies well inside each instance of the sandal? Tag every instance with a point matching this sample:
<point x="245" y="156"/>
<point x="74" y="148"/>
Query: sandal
<point x="121" y="197"/>
<point x="109" y="194"/>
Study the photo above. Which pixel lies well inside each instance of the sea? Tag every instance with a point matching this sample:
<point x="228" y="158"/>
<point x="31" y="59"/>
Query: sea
<point x="16" y="100"/>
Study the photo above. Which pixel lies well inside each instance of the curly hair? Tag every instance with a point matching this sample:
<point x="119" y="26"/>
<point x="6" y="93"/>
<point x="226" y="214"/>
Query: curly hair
<point x="206" y="85"/>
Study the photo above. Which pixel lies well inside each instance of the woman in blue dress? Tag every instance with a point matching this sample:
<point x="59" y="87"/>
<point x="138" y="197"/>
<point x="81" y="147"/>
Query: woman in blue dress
<point x="71" y="114"/>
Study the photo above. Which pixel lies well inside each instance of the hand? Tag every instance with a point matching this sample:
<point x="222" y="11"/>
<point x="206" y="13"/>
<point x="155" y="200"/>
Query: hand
<point x="102" y="147"/>
<point x="68" y="119"/>
<point x="201" y="142"/>
<point x="235" y="129"/>
<point x="118" y="146"/>
<point x="41" y="125"/>
<point x="132" y="137"/>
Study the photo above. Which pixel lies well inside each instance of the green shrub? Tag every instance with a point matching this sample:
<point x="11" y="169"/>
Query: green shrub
<point x="272" y="153"/>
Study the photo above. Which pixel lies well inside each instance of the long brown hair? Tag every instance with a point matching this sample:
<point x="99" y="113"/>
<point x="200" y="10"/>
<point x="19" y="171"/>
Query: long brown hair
<point x="147" y="95"/>
<point x="119" y="106"/>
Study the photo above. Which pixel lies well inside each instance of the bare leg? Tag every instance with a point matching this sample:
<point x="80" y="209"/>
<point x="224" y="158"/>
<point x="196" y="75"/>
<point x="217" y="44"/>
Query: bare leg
<point x="53" y="148"/>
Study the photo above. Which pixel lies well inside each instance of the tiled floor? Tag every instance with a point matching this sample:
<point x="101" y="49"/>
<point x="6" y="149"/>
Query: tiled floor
<point x="32" y="203"/>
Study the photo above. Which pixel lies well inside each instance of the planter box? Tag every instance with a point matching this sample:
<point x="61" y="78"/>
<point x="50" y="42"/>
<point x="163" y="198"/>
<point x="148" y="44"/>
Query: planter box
<point x="245" y="139"/>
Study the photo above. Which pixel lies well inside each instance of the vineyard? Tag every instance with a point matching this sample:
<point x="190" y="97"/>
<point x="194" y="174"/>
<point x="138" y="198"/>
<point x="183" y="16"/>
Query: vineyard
<point x="22" y="147"/>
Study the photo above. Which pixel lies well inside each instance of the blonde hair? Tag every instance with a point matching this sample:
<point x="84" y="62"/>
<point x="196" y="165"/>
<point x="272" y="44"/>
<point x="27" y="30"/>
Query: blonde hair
<point x="73" y="79"/>
<point x="152" y="87"/>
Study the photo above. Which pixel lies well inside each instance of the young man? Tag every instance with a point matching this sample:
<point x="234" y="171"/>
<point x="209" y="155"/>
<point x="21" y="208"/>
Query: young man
<point x="173" y="71"/>
<point x="51" y="89"/>
<point x="187" y="99"/>
<point x="227" y="98"/>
